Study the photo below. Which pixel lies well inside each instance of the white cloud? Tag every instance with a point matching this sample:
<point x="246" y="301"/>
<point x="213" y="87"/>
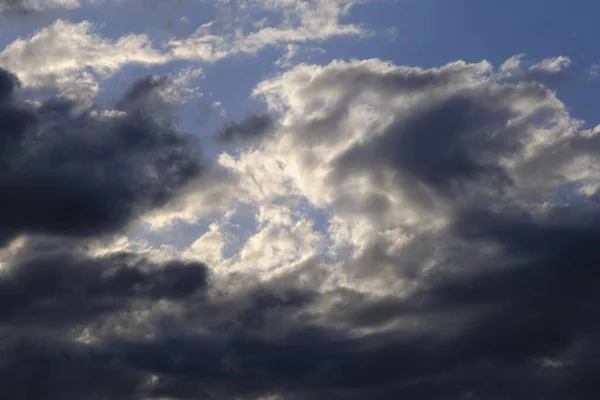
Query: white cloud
<point x="594" y="71"/>
<point x="212" y="195"/>
<point x="325" y="156"/>
<point x="71" y="56"/>
<point x="209" y="247"/>
<point x="74" y="56"/>
<point x="518" y="67"/>
<point x="286" y="60"/>
<point x="552" y="65"/>
<point x="301" y="21"/>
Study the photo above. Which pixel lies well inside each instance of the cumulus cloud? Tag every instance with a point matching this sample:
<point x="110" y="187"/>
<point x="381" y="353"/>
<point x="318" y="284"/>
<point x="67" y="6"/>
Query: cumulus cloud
<point x="406" y="233"/>
<point x="95" y="173"/>
<point x="61" y="287"/>
<point x="72" y="56"/>
<point x="462" y="214"/>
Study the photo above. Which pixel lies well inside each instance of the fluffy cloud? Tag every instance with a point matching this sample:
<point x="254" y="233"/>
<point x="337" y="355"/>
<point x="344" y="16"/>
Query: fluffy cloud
<point x="461" y="216"/>
<point x="74" y="56"/>
<point x="71" y="56"/>
<point x="94" y="172"/>
<point x="406" y="233"/>
<point x="55" y="286"/>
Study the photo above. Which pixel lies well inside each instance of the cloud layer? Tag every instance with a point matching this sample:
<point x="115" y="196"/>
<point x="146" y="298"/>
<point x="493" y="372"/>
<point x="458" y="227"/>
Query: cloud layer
<point x="378" y="231"/>
<point x="456" y="259"/>
<point x="95" y="173"/>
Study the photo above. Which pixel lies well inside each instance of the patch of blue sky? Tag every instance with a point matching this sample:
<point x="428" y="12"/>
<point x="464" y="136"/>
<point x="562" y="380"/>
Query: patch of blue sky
<point x="179" y="235"/>
<point x="239" y="228"/>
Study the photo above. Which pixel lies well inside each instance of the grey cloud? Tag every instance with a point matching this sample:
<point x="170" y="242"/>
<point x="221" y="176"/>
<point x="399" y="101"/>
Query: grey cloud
<point x="433" y="146"/>
<point x="448" y="142"/>
<point x="8" y="83"/>
<point x="499" y="324"/>
<point x="143" y="90"/>
<point x="95" y="174"/>
<point x="404" y="80"/>
<point x="500" y="302"/>
<point x="55" y="288"/>
<point x="252" y="127"/>
<point x="153" y="93"/>
<point x="349" y="83"/>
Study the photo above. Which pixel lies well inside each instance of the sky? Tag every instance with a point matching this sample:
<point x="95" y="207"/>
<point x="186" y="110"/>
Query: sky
<point x="299" y="200"/>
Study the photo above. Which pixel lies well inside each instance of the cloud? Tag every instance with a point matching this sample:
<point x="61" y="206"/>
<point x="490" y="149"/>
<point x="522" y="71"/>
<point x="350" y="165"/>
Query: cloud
<point x="295" y="22"/>
<point x="347" y="125"/>
<point x="517" y="67"/>
<point x="159" y="91"/>
<point x="414" y="233"/>
<point x="253" y="126"/>
<point x="95" y="173"/>
<point x="59" y="287"/>
<point x="29" y="6"/>
<point x="461" y="263"/>
<point x="73" y="56"/>
<point x="286" y="60"/>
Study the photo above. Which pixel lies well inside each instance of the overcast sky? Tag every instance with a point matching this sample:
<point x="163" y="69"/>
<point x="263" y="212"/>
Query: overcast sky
<point x="299" y="200"/>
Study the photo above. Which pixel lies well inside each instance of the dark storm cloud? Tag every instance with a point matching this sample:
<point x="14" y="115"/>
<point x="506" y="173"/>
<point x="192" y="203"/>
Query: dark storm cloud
<point x="67" y="379"/>
<point x="446" y="143"/>
<point x="252" y="127"/>
<point x="76" y="174"/>
<point x="480" y="333"/>
<point x="499" y="303"/>
<point x="8" y="84"/>
<point x="55" y="288"/>
<point x="474" y="333"/>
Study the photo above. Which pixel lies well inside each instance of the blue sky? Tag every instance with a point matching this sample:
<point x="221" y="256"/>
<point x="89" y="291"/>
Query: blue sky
<point x="299" y="200"/>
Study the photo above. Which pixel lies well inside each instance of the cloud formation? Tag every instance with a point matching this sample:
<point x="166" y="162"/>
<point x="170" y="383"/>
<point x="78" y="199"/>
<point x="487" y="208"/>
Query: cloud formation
<point x="72" y="56"/>
<point x="54" y="287"/>
<point x="463" y="217"/>
<point x="253" y="126"/>
<point x="393" y="232"/>
<point x="94" y="172"/>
